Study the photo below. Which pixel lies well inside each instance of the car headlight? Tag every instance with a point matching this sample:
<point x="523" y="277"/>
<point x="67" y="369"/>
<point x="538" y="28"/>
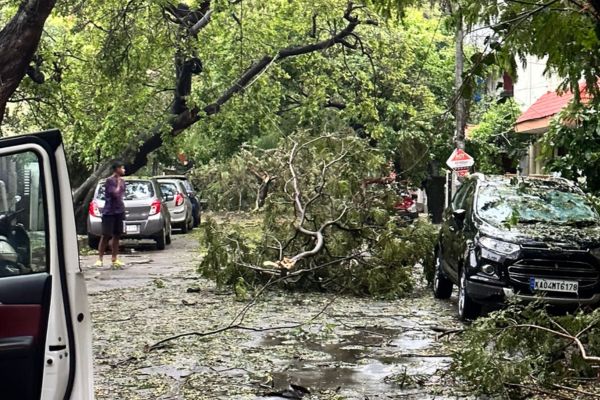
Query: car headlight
<point x="498" y="246"/>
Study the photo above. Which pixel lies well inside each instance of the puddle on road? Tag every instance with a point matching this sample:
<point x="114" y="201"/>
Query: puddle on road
<point x="168" y="370"/>
<point x="356" y="364"/>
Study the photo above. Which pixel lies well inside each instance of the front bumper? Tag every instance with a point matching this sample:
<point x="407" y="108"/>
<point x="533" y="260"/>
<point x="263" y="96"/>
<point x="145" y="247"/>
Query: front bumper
<point x="489" y="294"/>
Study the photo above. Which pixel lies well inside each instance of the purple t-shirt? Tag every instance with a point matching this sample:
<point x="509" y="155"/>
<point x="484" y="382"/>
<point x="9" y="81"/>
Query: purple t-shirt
<point x="113" y="194"/>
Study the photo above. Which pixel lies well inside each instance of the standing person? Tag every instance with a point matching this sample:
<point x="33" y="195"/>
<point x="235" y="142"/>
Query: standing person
<point x="113" y="214"/>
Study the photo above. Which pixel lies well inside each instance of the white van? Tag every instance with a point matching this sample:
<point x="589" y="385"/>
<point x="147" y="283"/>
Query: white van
<point x="45" y="327"/>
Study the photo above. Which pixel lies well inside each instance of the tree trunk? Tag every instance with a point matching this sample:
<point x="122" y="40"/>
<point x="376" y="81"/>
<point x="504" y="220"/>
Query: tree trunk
<point x="19" y="40"/>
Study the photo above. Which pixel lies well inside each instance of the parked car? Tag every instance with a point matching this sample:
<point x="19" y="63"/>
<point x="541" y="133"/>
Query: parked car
<point x="45" y="329"/>
<point x="406" y="207"/>
<point x="146" y="213"/>
<point x="180" y="207"/>
<point x="523" y="237"/>
<point x="192" y="194"/>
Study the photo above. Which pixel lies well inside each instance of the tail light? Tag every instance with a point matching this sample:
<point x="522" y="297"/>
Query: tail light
<point x="179" y="199"/>
<point x="94" y="210"/>
<point x="405" y="204"/>
<point x="155" y="207"/>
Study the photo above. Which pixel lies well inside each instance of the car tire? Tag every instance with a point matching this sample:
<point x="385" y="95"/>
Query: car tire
<point x="467" y="308"/>
<point x="185" y="228"/>
<point x="161" y="239"/>
<point x="169" y="238"/>
<point x="191" y="224"/>
<point x="93" y="242"/>
<point x="442" y="286"/>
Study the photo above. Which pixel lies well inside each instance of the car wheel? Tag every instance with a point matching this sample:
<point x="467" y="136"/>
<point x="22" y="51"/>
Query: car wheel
<point x="185" y="227"/>
<point x="169" y="237"/>
<point x="161" y="240"/>
<point x="191" y="224"/>
<point x="467" y="308"/>
<point x="442" y="286"/>
<point x="93" y="242"/>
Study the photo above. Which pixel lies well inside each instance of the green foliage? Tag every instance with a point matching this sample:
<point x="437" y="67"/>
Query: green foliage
<point x="494" y="144"/>
<point x="110" y="75"/>
<point x="563" y="32"/>
<point x="575" y="132"/>
<point x="366" y="252"/>
<point x="498" y="350"/>
<point x="225" y="247"/>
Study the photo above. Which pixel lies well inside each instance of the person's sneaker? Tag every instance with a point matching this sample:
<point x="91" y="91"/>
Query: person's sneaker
<point x="98" y="264"/>
<point x="117" y="264"/>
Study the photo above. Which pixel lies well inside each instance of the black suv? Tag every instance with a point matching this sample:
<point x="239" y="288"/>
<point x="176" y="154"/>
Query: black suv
<point x="524" y="237"/>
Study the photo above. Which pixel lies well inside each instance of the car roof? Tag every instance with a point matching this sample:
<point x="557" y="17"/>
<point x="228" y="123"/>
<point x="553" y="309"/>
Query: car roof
<point x="130" y="178"/>
<point x="161" y="177"/>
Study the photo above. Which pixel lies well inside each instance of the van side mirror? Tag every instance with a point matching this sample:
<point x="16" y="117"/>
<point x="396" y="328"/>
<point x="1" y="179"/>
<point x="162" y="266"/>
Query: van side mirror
<point x="459" y="217"/>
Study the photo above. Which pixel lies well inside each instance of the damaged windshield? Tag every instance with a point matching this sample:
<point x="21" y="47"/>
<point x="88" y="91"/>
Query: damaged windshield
<point x="532" y="202"/>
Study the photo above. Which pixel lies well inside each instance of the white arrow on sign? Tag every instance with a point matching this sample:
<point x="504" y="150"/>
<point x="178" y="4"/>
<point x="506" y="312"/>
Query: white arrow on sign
<point x="460" y="159"/>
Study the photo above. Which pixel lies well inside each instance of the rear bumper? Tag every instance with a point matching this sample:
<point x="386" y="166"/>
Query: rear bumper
<point x="178" y="215"/>
<point x="147" y="228"/>
<point x="489" y="294"/>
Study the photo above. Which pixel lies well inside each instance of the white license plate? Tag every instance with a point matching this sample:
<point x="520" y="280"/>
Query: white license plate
<point x="553" y="285"/>
<point x="132" y="229"/>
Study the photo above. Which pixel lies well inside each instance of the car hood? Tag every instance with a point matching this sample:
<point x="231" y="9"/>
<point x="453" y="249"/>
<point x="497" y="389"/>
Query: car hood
<point x="551" y="235"/>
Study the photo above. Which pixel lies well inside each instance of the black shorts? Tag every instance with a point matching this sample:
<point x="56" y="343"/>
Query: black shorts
<point x="112" y="225"/>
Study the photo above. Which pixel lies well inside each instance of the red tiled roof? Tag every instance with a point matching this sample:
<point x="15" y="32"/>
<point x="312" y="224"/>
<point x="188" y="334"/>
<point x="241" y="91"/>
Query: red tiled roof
<point x="550" y="104"/>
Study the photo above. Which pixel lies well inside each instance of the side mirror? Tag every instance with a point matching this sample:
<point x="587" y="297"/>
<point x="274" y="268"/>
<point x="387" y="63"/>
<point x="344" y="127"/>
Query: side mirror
<point x="459" y="217"/>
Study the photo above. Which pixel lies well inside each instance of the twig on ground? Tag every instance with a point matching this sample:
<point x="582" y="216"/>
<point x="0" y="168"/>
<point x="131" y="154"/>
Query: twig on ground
<point x="238" y="326"/>
<point x="531" y="388"/>
<point x="579" y="391"/>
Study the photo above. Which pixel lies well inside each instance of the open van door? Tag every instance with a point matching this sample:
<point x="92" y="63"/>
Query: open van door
<point x="45" y="328"/>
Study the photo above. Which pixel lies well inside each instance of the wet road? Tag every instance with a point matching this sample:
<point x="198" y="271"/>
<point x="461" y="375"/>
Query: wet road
<point x="356" y="349"/>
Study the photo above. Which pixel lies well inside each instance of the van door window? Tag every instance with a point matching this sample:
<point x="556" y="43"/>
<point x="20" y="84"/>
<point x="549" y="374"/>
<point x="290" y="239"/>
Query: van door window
<point x="23" y="237"/>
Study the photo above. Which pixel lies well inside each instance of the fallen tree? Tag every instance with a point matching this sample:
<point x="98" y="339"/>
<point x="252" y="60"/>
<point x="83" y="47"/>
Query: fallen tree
<point x="526" y="350"/>
<point x="322" y="228"/>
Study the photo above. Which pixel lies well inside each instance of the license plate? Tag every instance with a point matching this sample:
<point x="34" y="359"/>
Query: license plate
<point x="132" y="229"/>
<point x="553" y="285"/>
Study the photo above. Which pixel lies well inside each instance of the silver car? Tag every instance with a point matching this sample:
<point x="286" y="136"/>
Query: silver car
<point x="180" y="205"/>
<point x="146" y="213"/>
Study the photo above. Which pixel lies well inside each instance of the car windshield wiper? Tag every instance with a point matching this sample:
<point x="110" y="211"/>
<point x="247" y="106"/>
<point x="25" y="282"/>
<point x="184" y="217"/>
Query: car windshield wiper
<point x="582" y="222"/>
<point x="532" y="221"/>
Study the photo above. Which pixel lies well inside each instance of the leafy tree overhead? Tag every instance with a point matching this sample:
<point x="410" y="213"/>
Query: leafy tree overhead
<point x="126" y="79"/>
<point x="383" y="90"/>
<point x="117" y="62"/>
<point x="574" y="133"/>
<point x="565" y="32"/>
<point x="493" y="142"/>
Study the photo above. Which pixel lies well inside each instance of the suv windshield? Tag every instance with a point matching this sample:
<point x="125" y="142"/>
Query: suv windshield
<point x="534" y="201"/>
<point x="134" y="190"/>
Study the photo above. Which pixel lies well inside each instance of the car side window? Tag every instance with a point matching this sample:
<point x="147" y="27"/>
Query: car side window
<point x="168" y="189"/>
<point x="458" y="201"/>
<point x="468" y="199"/>
<point x="23" y="230"/>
